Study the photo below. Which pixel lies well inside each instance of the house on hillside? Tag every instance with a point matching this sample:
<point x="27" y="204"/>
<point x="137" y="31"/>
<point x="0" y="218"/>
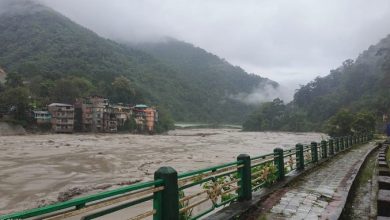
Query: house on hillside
<point x="98" y="104"/>
<point x="89" y="112"/>
<point x="122" y="113"/>
<point x="62" y="117"/>
<point x="41" y="117"/>
<point x="110" y="123"/>
<point x="83" y="115"/>
<point x="145" y="118"/>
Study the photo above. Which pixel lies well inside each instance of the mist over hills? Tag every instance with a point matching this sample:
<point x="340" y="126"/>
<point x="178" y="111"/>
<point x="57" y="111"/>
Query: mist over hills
<point x="61" y="60"/>
<point x="360" y="84"/>
<point x="357" y="86"/>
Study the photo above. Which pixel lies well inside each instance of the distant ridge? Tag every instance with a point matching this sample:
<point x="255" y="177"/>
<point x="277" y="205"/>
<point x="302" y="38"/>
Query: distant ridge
<point x="44" y="46"/>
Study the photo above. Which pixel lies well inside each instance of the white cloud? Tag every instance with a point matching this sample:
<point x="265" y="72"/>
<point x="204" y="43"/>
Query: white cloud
<point x="274" y="38"/>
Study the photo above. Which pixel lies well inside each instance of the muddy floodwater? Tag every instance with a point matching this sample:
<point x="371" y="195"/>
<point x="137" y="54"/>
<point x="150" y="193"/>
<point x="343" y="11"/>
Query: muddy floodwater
<point x="34" y="169"/>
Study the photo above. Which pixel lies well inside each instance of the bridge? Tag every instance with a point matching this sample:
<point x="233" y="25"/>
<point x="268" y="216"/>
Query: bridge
<point x="307" y="181"/>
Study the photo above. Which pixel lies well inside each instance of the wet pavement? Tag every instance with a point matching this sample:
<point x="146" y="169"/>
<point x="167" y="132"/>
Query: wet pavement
<point x="319" y="194"/>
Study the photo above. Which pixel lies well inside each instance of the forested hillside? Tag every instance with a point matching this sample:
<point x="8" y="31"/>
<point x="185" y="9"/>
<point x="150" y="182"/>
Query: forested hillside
<point x="209" y="75"/>
<point x="203" y="69"/>
<point x="362" y="85"/>
<point x="50" y="58"/>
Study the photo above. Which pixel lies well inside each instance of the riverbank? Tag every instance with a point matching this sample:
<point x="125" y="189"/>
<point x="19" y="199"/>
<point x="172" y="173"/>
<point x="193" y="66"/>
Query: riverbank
<point x="7" y="129"/>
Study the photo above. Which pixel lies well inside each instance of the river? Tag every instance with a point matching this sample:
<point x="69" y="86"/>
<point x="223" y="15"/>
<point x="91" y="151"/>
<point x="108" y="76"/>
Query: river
<point x="36" y="168"/>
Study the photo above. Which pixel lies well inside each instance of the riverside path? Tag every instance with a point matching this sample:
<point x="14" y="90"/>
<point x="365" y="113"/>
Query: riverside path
<point x="320" y="194"/>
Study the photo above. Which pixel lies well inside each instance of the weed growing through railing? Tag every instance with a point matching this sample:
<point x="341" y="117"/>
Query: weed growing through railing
<point x="289" y="164"/>
<point x="218" y="186"/>
<point x="188" y="213"/>
<point x="265" y="174"/>
<point x="308" y="156"/>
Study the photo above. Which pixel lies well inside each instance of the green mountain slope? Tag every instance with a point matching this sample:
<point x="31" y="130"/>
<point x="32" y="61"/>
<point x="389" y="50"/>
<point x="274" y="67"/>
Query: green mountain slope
<point x="203" y="69"/>
<point x="207" y="74"/>
<point x="361" y="85"/>
<point x="44" y="47"/>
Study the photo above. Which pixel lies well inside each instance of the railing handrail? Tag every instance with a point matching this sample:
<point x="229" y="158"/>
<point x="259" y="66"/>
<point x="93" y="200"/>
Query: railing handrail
<point x="194" y="172"/>
<point x="81" y="201"/>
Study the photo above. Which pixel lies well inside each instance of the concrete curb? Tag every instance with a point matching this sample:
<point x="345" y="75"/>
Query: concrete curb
<point x="336" y="206"/>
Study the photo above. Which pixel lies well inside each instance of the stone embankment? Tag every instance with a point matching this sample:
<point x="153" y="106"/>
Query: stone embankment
<point x="11" y="129"/>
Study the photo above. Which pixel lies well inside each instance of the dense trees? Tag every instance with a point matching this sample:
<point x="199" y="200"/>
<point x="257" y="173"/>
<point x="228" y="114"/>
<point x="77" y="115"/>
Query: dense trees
<point x="210" y="81"/>
<point x="67" y="89"/>
<point x="276" y="116"/>
<point x="15" y="94"/>
<point x="121" y="90"/>
<point x="346" y="122"/>
<point x="350" y="99"/>
<point x="59" y="60"/>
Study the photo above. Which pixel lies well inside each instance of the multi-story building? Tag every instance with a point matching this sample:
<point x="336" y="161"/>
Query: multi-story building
<point x="62" y="117"/>
<point x="151" y="117"/>
<point x="98" y="104"/>
<point x="145" y="118"/>
<point x="83" y="115"/>
<point x="89" y="114"/>
<point x="122" y="113"/>
<point x="110" y="123"/>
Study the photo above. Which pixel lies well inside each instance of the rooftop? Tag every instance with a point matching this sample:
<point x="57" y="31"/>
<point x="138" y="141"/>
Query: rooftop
<point x="140" y="106"/>
<point x="60" y="104"/>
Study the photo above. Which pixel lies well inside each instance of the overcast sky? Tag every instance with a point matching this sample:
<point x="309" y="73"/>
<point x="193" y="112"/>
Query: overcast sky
<point x="291" y="42"/>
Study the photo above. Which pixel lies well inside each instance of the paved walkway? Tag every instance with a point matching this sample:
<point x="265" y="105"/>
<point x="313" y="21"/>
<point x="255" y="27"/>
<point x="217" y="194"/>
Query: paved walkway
<point x="320" y="193"/>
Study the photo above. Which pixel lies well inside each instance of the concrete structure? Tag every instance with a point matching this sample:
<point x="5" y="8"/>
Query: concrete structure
<point x="145" y="118"/>
<point x="42" y="117"/>
<point x="62" y="117"/>
<point x="151" y="117"/>
<point x="89" y="114"/>
<point x="83" y="115"/>
<point x="98" y="104"/>
<point x="110" y="123"/>
<point x="122" y="113"/>
<point x="95" y="114"/>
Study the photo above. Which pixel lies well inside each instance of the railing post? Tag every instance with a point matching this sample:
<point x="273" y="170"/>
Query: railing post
<point x="331" y="147"/>
<point x="323" y="149"/>
<point x="337" y="145"/>
<point x="314" y="153"/>
<point x="166" y="202"/>
<point x="342" y="144"/>
<point x="346" y="142"/>
<point x="350" y="141"/>
<point x="279" y="162"/>
<point x="244" y="173"/>
<point x="300" y="160"/>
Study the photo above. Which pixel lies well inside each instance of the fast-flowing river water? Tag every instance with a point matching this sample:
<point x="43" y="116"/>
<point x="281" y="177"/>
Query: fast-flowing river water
<point x="34" y="169"/>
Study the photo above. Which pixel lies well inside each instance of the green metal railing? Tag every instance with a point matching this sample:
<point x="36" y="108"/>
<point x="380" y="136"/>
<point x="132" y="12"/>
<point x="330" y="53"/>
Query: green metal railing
<point x="194" y="194"/>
